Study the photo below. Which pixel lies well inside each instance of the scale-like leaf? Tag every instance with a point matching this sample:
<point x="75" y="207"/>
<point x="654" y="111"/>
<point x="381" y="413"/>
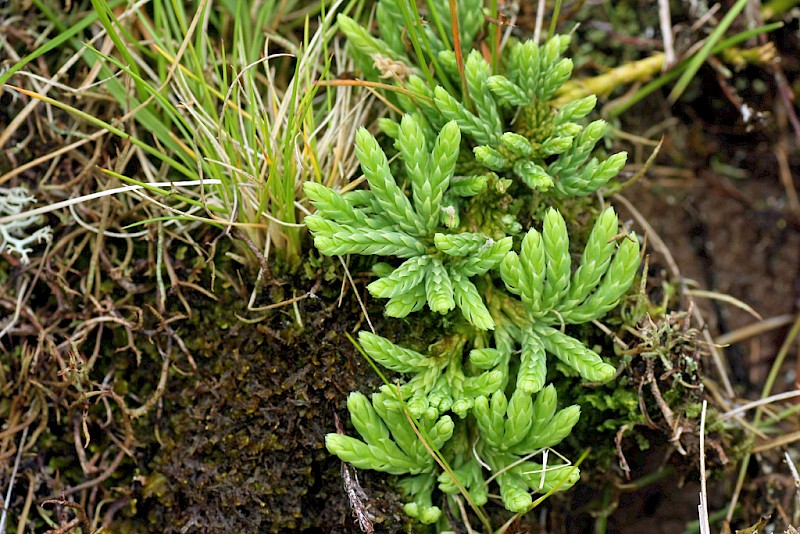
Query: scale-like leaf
<point x="519" y="417"/>
<point x="616" y="282"/>
<point x="462" y="244"/>
<point x="556" y="247"/>
<point x="412" y="301"/>
<point x="386" y="191"/>
<point x="402" y="280"/>
<point x="393" y="356"/>
<point x="595" y="260"/>
<point x="439" y="288"/>
<point x="487" y="257"/>
<point x="532" y="365"/>
<point x="470" y="302"/>
<point x="572" y="352"/>
<point x="489" y="415"/>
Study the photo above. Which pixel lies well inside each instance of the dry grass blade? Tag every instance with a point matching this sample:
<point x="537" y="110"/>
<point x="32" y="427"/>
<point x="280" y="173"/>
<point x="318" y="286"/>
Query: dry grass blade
<point x="722" y="297"/>
<point x="760" y="402"/>
<point x="459" y="54"/>
<point x="358" y="296"/>
<point x="15" y="317"/>
<point x="665" y="19"/>
<point x="785" y="174"/>
<point x="754" y="329"/>
<point x="782" y="441"/>
<point x="537" y="29"/>
<point x="99" y="194"/>
<point x="795" y="477"/>
<point x="767" y="389"/>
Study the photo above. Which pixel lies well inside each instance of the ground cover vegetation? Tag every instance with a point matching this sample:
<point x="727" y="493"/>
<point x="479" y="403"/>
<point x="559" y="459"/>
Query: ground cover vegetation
<point x="225" y="225"/>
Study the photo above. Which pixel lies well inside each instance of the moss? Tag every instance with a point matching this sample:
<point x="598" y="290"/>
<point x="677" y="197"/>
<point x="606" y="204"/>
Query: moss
<point x="242" y="442"/>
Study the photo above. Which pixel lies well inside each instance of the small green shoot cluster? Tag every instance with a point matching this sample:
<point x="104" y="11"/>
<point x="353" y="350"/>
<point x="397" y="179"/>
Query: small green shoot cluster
<point x="384" y="221"/>
<point x="475" y="408"/>
<point x="546" y="148"/>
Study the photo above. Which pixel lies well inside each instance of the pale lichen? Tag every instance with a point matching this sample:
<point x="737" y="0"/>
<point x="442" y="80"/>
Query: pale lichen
<point x="16" y="232"/>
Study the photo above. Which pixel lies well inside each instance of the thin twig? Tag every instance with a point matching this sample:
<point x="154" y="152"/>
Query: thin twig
<point x="705" y="528"/>
<point x="643" y="170"/>
<point x="81" y="519"/>
<point x="610" y="334"/>
<point x="162" y="384"/>
<point x="355" y="493"/>
<point x="665" y="19"/>
<point x="311" y="293"/>
<point x="262" y="260"/>
<point x="7" y="502"/>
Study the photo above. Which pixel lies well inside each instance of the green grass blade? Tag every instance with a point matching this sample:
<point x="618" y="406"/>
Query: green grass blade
<point x="669" y="76"/>
<point x="700" y="58"/>
<point x="112" y="129"/>
<point x="65" y="35"/>
<point x="109" y="21"/>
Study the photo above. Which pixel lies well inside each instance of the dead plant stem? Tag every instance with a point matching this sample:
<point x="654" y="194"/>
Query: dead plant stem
<point x="6" y="505"/>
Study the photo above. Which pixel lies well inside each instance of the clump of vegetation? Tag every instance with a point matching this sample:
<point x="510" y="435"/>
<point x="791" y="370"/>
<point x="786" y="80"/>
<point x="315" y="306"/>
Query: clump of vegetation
<point x="505" y="413"/>
<point x="157" y="376"/>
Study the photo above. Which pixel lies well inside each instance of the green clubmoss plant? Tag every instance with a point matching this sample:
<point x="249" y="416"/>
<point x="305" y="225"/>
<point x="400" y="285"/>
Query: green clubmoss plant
<point x="553" y="295"/>
<point x="504" y="412"/>
<point x="474" y="410"/>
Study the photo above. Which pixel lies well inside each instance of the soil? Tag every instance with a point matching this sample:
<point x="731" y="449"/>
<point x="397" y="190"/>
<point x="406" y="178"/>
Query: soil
<point x="735" y="239"/>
